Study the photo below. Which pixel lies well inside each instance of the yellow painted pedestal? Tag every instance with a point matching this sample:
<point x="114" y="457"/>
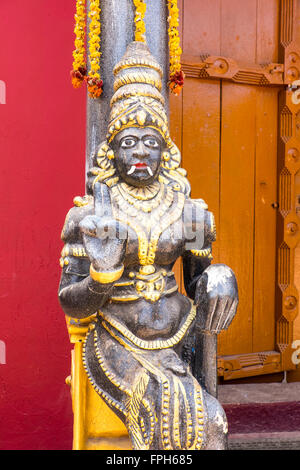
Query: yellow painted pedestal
<point x="95" y="427"/>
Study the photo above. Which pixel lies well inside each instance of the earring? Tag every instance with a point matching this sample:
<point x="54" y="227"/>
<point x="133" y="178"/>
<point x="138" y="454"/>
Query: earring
<point x="110" y="154"/>
<point x="166" y="156"/>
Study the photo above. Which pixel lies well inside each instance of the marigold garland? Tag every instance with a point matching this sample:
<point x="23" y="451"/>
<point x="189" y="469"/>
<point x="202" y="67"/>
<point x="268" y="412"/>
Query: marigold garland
<point x="140" y="29"/>
<point x="79" y="72"/>
<point x="93" y="79"/>
<point x="79" y="65"/>
<point x="176" y="79"/>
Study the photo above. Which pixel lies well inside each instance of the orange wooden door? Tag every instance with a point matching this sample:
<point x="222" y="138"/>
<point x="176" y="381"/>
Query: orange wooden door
<point x="226" y="125"/>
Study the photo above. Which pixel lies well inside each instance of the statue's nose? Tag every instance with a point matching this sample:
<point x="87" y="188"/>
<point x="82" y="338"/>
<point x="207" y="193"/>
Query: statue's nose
<point x="140" y="150"/>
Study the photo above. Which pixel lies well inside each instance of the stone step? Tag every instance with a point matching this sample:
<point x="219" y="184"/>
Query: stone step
<point x="265" y="441"/>
<point x="263" y="416"/>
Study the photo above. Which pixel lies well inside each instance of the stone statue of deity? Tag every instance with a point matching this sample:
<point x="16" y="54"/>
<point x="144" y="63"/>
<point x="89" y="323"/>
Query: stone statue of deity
<point x="121" y="242"/>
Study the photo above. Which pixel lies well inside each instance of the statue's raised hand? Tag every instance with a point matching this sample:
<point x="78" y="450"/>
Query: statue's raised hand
<point x="103" y="236"/>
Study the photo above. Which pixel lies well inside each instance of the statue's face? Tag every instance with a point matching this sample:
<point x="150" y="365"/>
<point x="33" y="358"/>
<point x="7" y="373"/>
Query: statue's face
<point x="138" y="155"/>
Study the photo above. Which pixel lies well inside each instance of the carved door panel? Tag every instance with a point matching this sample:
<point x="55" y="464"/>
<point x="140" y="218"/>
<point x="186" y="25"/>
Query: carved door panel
<point x="237" y="130"/>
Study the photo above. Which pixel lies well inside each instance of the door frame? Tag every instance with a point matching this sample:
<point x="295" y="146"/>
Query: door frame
<point x="281" y="75"/>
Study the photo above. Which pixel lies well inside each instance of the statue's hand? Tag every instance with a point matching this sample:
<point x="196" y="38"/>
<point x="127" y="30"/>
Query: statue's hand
<point x="217" y="298"/>
<point x="103" y="236"/>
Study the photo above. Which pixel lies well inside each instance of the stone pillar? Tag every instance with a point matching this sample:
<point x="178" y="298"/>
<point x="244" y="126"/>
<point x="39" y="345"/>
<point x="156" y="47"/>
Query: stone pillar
<point x="117" y="31"/>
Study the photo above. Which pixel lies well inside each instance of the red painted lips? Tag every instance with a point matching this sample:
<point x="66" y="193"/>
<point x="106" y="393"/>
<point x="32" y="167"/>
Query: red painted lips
<point x="140" y="165"/>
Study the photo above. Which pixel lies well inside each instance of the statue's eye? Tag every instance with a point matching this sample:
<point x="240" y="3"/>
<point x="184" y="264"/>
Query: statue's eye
<point x="128" y="143"/>
<point x="151" y="142"/>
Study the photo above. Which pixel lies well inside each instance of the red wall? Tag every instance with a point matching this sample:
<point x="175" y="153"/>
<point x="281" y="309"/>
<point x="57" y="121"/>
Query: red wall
<point x="42" y="145"/>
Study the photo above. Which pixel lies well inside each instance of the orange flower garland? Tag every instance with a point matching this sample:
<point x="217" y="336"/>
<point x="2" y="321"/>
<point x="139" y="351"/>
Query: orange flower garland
<point x="79" y="72"/>
<point x="79" y="65"/>
<point x="176" y="74"/>
<point x="140" y="30"/>
<point x="93" y="79"/>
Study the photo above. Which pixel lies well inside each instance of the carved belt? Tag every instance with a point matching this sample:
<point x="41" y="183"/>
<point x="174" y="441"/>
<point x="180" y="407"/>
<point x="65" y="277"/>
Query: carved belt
<point x="109" y="321"/>
<point x="147" y="283"/>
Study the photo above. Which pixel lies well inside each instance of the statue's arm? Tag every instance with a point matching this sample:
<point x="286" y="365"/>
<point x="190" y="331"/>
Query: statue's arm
<point x="79" y="295"/>
<point x="197" y="256"/>
<point x="193" y="267"/>
<point x="212" y="287"/>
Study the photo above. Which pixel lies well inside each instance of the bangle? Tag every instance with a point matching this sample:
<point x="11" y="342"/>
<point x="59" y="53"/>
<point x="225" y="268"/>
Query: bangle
<point x="206" y="253"/>
<point x="106" y="277"/>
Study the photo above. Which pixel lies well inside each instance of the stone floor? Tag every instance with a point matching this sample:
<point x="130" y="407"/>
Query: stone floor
<point x="265" y="441"/>
<point x="259" y="393"/>
<point x="262" y="393"/>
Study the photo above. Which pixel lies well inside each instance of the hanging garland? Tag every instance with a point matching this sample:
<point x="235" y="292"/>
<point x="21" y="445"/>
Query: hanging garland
<point x="176" y="79"/>
<point x="79" y="65"/>
<point x="94" y="82"/>
<point x="79" y="72"/>
<point x="140" y="30"/>
<point x="93" y="78"/>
